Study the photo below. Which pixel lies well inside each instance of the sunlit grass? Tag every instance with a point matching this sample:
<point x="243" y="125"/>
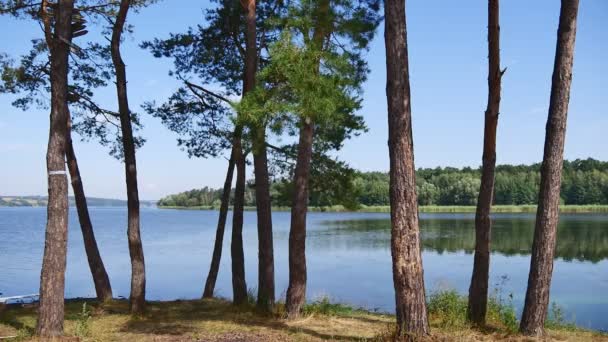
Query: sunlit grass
<point x="322" y="320"/>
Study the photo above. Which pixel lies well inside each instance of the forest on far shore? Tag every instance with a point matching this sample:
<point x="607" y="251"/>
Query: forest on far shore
<point x="584" y="181"/>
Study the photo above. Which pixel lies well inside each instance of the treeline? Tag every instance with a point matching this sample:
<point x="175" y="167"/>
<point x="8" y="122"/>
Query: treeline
<point x="40" y="201"/>
<point x="584" y="181"/>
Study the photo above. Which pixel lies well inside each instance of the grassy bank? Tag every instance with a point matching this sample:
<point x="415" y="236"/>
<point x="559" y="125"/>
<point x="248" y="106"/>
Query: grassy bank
<point x="431" y="209"/>
<point x="218" y="320"/>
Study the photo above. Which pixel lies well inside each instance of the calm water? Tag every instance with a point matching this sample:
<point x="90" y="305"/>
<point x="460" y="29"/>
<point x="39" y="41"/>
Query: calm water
<point x="348" y="256"/>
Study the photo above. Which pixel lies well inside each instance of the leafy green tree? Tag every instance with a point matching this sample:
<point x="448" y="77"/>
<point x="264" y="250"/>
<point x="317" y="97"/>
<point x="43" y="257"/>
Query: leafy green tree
<point x="312" y="85"/>
<point x="428" y="194"/>
<point x="203" y="117"/>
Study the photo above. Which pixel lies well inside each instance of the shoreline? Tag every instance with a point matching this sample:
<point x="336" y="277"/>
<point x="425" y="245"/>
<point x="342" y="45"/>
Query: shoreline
<point x="219" y="320"/>
<point x="566" y="209"/>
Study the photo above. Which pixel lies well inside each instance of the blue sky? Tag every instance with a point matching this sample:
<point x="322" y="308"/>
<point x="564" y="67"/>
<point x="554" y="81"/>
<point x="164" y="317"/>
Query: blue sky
<point x="448" y="62"/>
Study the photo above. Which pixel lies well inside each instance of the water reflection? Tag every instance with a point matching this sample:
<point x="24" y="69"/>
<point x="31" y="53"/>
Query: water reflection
<point x="582" y="238"/>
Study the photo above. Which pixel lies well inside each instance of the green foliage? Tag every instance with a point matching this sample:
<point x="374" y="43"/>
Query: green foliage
<point x="503" y="312"/>
<point x="193" y="198"/>
<point x="212" y="54"/>
<point x="323" y="306"/>
<point x="450" y="308"/>
<point x="306" y="83"/>
<point x="252" y="296"/>
<point x="91" y="68"/>
<point x="83" y="323"/>
<point x="583" y="182"/>
<point x="334" y="184"/>
<point x="501" y="309"/>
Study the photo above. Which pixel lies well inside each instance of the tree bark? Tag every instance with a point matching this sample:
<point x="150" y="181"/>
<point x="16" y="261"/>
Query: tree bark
<point x="478" y="290"/>
<point x="547" y="215"/>
<point x="408" y="279"/>
<point x="239" y="285"/>
<point x="101" y="280"/>
<point x="219" y="234"/>
<point x="138" y="273"/>
<point x="52" y="277"/>
<point x="266" y="298"/>
<point x="296" y="292"/>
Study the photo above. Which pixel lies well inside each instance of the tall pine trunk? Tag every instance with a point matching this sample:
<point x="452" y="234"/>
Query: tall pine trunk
<point x="478" y="290"/>
<point x="219" y="234"/>
<point x="547" y="215"/>
<point x="412" y="320"/>
<point x="266" y="298"/>
<point x="239" y="285"/>
<point x="138" y="273"/>
<point x="52" y="277"/>
<point x="296" y="292"/>
<point x="103" y="289"/>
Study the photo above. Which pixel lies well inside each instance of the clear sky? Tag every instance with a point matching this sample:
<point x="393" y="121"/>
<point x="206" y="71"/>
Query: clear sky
<point x="448" y="62"/>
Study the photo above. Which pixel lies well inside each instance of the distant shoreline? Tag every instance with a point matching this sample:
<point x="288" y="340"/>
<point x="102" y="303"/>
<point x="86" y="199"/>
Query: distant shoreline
<point x="41" y="201"/>
<point x="427" y="209"/>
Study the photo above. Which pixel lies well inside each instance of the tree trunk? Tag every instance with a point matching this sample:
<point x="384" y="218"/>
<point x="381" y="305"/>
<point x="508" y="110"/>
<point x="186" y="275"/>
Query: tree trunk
<point x="52" y="277"/>
<point x="543" y="245"/>
<point x="260" y="168"/>
<point x="219" y="234"/>
<point x="138" y="273"/>
<point x="239" y="285"/>
<point x="478" y="290"/>
<point x="296" y="292"/>
<point x="98" y="270"/>
<point x="265" y="244"/>
<point x="408" y="277"/>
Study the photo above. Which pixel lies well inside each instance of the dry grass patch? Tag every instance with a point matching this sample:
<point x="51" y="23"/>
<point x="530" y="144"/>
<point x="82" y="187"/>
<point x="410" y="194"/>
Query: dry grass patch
<point x="219" y="320"/>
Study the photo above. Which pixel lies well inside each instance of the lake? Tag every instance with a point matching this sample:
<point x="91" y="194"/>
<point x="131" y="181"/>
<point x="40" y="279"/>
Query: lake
<point x="348" y="256"/>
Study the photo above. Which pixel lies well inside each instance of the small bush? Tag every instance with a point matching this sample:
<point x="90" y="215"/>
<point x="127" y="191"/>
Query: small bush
<point x="323" y="306"/>
<point x="503" y="312"/>
<point x="252" y="294"/>
<point x="501" y="309"/>
<point x="449" y="308"/>
<point x="83" y="324"/>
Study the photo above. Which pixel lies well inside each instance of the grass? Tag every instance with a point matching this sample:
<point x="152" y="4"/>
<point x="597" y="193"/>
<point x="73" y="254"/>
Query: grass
<point x="431" y="209"/>
<point x="449" y="309"/>
<point x="219" y="320"/>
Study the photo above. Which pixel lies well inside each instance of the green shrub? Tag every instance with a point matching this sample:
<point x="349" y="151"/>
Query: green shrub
<point x="83" y="324"/>
<point x="501" y="309"/>
<point x="449" y="308"/>
<point x="324" y="306"/>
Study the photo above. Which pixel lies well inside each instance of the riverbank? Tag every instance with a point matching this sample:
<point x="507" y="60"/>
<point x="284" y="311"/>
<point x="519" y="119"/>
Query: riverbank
<point x="427" y="209"/>
<point x="219" y="320"/>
